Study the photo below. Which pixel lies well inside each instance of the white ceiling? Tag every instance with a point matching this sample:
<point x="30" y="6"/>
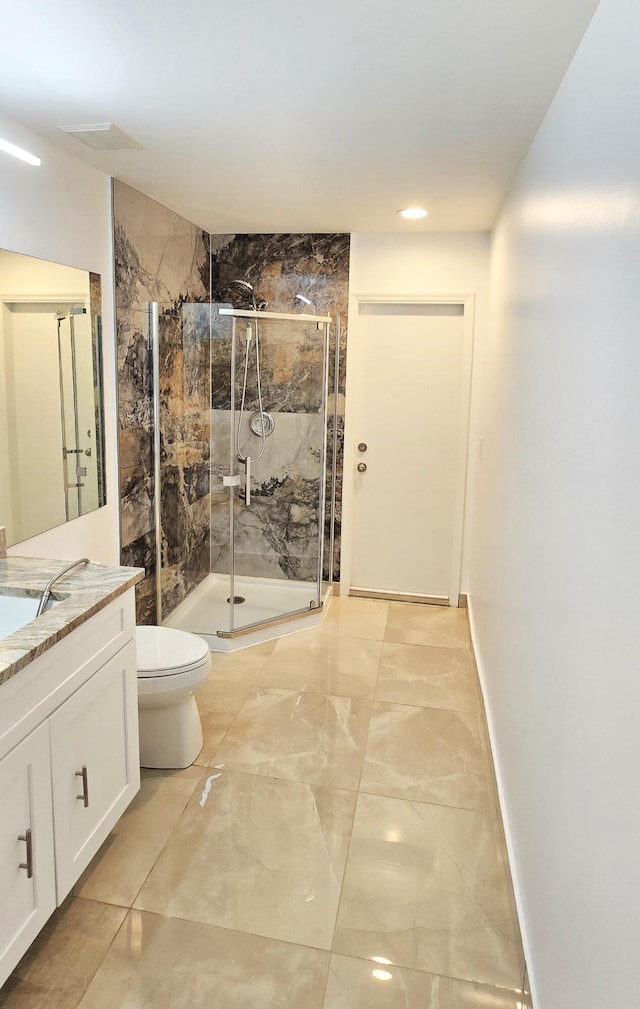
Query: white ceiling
<point x="298" y="116"/>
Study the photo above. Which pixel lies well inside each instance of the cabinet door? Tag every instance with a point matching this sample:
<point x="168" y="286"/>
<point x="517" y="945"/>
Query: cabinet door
<point x="94" y="763"/>
<point x="27" y="875"/>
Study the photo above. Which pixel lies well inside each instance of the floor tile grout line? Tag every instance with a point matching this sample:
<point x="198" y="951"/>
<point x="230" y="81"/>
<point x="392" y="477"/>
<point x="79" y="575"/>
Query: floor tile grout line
<point x="251" y="686"/>
<point x="168" y="839"/>
<point x="355" y="812"/>
<point x="109" y="945"/>
<point x="430" y="973"/>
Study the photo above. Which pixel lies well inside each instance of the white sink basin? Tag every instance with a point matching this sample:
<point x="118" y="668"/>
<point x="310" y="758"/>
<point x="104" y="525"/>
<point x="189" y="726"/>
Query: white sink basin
<point x="16" y="611"/>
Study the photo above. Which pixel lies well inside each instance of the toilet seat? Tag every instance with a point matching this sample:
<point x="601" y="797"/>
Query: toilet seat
<point x="167" y="652"/>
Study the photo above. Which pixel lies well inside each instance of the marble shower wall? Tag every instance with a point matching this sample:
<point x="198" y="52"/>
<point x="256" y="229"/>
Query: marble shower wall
<point x="276" y="536"/>
<point x="161" y="257"/>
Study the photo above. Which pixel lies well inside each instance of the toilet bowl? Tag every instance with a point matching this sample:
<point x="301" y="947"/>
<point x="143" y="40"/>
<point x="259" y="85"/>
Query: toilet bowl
<point x="171" y="663"/>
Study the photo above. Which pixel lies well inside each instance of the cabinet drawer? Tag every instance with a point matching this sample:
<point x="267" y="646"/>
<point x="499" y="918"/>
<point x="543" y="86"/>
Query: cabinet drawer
<point x="27" y="881"/>
<point x="94" y="764"/>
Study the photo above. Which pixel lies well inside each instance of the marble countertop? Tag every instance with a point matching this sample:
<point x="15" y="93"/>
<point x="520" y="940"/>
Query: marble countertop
<point x="82" y="593"/>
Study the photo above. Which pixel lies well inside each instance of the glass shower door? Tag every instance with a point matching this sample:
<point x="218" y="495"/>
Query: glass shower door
<point x="276" y="478"/>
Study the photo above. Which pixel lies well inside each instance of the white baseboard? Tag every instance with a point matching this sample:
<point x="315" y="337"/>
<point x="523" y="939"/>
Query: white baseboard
<point x="503" y="806"/>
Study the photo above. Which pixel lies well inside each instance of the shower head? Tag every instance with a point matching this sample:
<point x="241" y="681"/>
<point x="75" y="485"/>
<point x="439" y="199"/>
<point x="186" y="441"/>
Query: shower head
<point x="258" y="304"/>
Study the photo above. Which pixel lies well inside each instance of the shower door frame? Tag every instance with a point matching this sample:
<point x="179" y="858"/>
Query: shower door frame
<point x="233" y="478"/>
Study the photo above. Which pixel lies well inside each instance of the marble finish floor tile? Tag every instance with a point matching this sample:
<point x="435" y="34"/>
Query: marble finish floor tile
<point x="126" y="858"/>
<point x="428" y="754"/>
<point x="219" y="701"/>
<point x="163" y="963"/>
<point x="357" y="618"/>
<point x="362" y="984"/>
<point x="429" y="676"/>
<point x="440" y="626"/>
<point x="324" y="663"/>
<point x="425" y="887"/>
<point x="243" y="665"/>
<point x="56" y="971"/>
<point x="299" y="736"/>
<point x="256" y="854"/>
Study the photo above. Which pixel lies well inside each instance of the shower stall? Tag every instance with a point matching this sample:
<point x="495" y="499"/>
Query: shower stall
<point x="244" y="513"/>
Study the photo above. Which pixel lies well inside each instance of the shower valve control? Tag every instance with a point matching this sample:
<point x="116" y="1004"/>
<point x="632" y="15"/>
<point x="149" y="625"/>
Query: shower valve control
<point x="362" y="467"/>
<point x="362" y="446"/>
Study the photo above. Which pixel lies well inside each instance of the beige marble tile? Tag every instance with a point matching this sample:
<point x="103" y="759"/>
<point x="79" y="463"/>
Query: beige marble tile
<point x="428" y="754"/>
<point x="124" y="861"/>
<point x="426" y="888"/>
<point x="429" y="676"/>
<point x="243" y="665"/>
<point x="60" y="964"/>
<point x="440" y="626"/>
<point x="362" y="984"/>
<point x="325" y="663"/>
<point x="300" y="736"/>
<point x="163" y="963"/>
<point x="357" y="618"/>
<point x="219" y="701"/>
<point x="256" y="854"/>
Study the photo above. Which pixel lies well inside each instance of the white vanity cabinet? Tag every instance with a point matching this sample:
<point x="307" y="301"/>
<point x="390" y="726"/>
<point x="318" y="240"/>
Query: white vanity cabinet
<point x="27" y="880"/>
<point x="90" y="758"/>
<point x="69" y="767"/>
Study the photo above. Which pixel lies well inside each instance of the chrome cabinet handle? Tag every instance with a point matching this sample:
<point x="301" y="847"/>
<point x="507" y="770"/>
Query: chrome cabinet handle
<point x="362" y="467"/>
<point x="84" y="795"/>
<point x="27" y="837"/>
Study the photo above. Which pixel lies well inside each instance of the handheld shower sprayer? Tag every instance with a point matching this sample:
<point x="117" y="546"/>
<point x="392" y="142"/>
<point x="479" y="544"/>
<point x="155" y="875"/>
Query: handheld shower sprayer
<point x="250" y="332"/>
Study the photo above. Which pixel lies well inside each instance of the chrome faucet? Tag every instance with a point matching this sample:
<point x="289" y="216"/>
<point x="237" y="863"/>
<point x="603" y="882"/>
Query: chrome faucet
<point x="44" y="599"/>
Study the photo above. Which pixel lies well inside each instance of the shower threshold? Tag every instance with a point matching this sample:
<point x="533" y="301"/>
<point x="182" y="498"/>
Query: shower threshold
<point x="272" y="607"/>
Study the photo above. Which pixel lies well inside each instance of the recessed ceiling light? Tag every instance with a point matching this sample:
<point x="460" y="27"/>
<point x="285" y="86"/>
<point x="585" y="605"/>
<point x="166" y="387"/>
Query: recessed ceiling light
<point x="413" y="212"/>
<point x="18" y="152"/>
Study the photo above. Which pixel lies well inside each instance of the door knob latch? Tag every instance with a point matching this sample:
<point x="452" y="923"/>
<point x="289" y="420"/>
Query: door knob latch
<point x="362" y="467"/>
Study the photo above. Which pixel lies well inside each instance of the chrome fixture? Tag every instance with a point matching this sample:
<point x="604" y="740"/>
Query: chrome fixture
<point x="305" y="301"/>
<point x="257" y="303"/>
<point x="362" y="467"/>
<point x="362" y="446"/>
<point x="44" y="599"/>
<point x="27" y="837"/>
<point x="262" y="422"/>
<point x="84" y="795"/>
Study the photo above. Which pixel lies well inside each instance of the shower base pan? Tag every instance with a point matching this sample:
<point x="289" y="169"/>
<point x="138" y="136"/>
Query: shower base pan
<point x="278" y="606"/>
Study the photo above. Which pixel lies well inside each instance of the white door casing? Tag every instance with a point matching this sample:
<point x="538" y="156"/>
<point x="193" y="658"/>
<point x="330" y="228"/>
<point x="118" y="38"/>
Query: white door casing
<point x="402" y="429"/>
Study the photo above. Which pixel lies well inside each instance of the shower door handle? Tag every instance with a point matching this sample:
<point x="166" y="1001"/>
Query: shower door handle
<point x="247" y="481"/>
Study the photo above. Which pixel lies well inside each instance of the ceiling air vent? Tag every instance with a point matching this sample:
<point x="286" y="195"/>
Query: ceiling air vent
<point x="102" y="137"/>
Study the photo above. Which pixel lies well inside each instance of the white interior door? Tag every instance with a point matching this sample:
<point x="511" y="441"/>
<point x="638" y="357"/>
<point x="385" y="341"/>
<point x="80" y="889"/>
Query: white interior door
<point x="412" y="416"/>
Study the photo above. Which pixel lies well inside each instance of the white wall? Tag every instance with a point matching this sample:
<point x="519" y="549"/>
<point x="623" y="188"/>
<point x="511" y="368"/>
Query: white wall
<point x="422" y="263"/>
<point x="554" y="580"/>
<point x="61" y="212"/>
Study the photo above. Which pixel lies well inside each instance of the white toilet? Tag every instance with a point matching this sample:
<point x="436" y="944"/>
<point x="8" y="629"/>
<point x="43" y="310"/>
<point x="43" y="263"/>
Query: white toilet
<point x="171" y="664"/>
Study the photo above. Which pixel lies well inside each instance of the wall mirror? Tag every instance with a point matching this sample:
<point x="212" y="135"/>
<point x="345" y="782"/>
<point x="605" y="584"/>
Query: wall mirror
<point x="51" y="395"/>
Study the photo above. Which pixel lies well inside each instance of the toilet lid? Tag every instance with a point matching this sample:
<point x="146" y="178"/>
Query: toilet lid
<point x="163" y="651"/>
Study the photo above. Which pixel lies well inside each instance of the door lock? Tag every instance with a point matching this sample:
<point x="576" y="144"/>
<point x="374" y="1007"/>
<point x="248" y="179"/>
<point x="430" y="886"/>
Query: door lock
<point x="362" y="447"/>
<point x="362" y="467"/>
